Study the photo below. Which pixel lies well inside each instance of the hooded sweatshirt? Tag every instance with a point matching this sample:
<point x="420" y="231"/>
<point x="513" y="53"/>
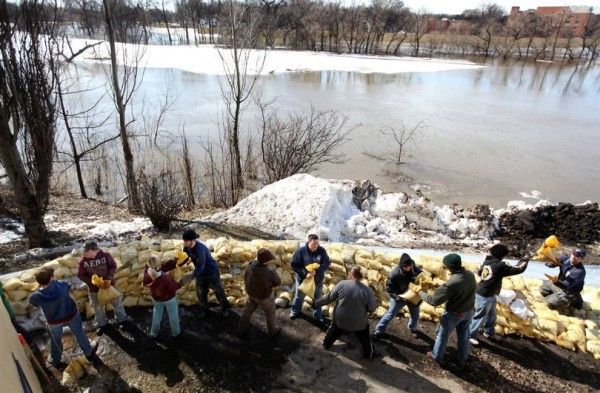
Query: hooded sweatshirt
<point x="55" y="302"/>
<point x="204" y="264"/>
<point x="398" y="280"/>
<point x="458" y="292"/>
<point x="303" y="257"/>
<point x="162" y="288"/>
<point x="492" y="271"/>
<point x="102" y="265"/>
<point x="354" y="301"/>
<point x="260" y="280"/>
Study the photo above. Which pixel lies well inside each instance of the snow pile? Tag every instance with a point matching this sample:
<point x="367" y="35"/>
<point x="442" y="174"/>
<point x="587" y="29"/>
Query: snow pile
<point x="10" y="230"/>
<point x="205" y="59"/>
<point x="302" y="204"/>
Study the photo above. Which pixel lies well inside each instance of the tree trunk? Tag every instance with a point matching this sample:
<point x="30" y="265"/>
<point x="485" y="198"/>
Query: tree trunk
<point x="133" y="202"/>
<point x="29" y="207"/>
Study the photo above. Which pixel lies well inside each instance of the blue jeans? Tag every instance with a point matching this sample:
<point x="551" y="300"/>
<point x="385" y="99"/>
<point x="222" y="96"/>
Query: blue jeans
<point x="485" y="311"/>
<point x="173" y="313"/>
<point x="299" y="298"/>
<point x="448" y="322"/>
<point x="395" y="306"/>
<point x="56" y="332"/>
<point x="100" y="312"/>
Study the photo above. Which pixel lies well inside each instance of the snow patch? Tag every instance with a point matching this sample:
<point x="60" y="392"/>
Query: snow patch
<point x="10" y="230"/>
<point x="533" y="195"/>
<point x="205" y="59"/>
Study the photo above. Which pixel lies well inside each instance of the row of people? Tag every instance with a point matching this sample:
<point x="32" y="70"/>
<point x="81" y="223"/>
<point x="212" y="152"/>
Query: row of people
<point x="468" y="305"/>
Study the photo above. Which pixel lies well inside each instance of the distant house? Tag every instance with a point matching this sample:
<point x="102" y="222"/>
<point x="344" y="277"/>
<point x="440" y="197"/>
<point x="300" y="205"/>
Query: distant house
<point x="572" y="19"/>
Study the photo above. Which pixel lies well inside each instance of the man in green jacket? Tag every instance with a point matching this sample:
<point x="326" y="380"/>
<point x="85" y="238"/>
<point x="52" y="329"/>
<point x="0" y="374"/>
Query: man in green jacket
<point x="459" y="295"/>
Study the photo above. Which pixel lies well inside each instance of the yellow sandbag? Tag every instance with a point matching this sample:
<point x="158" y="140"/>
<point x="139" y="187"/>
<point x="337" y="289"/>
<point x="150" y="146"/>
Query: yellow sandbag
<point x="62" y="272"/>
<point x="411" y="297"/>
<point x="577" y="337"/>
<point x="17" y="295"/>
<point x="373" y="275"/>
<point x="563" y="341"/>
<point x="335" y="267"/>
<point x="544" y="253"/>
<point x="107" y="295"/>
<point x="308" y="286"/>
<point x="375" y="265"/>
<point x="130" y="301"/>
<point x="593" y="347"/>
<point x="128" y="255"/>
<point x="166" y="245"/>
<point x="75" y="369"/>
<point x="20" y="308"/>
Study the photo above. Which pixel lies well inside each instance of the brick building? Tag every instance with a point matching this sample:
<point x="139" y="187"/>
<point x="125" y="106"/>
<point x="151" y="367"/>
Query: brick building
<point x="573" y="19"/>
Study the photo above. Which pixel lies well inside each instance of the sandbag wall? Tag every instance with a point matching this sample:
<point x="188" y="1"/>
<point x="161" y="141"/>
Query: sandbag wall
<point x="578" y="331"/>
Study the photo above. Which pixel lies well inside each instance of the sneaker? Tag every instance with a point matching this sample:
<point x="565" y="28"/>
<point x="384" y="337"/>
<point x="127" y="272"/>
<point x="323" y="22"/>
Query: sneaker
<point x="294" y="316"/>
<point x="430" y="356"/>
<point x="474" y="342"/>
<point x="377" y="336"/>
<point x="94" y="347"/>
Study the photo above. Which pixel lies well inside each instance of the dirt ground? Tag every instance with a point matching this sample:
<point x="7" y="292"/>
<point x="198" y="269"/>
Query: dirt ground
<point x="211" y="358"/>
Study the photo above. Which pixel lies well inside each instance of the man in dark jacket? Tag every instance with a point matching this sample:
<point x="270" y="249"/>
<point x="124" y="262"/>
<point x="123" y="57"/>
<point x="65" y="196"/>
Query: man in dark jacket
<point x="206" y="272"/>
<point x="259" y="280"/>
<point x="354" y="301"/>
<point x="101" y="263"/>
<point x="565" y="290"/>
<point x="459" y="295"/>
<point x="311" y="252"/>
<point x="60" y="310"/>
<point x="397" y="284"/>
<point x="491" y="272"/>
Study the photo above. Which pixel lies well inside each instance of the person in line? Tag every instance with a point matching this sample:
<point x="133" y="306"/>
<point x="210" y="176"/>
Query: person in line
<point x="259" y="281"/>
<point x="163" y="290"/>
<point x="101" y="263"/>
<point x="354" y="301"/>
<point x="458" y="294"/>
<point x="60" y="310"/>
<point x="206" y="273"/>
<point x="397" y="283"/>
<point x="311" y="252"/>
<point x="491" y="273"/>
<point x="565" y="290"/>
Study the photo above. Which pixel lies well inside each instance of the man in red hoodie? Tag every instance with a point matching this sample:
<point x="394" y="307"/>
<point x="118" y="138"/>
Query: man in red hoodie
<point x="101" y="263"/>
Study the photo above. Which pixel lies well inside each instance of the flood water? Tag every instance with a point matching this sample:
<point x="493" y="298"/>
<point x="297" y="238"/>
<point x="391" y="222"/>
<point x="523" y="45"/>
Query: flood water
<point x="486" y="135"/>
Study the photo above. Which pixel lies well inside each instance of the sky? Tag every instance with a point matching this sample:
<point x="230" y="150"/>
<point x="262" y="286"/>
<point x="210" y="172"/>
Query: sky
<point x="458" y="6"/>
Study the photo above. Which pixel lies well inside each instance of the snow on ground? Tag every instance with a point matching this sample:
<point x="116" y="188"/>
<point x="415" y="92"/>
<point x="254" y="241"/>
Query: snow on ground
<point x="303" y="204"/>
<point x="205" y="59"/>
<point x="99" y="229"/>
<point x="10" y="230"/>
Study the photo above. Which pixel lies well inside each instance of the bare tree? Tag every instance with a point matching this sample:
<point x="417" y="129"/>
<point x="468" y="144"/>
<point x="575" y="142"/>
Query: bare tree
<point x="419" y="25"/>
<point x="557" y="23"/>
<point x="27" y="109"/>
<point x="301" y="142"/>
<point x="401" y="137"/>
<point x="162" y="196"/>
<point x="124" y="86"/>
<point x="242" y="67"/>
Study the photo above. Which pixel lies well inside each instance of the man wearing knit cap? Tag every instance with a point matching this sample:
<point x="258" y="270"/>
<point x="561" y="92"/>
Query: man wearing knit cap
<point x="491" y="272"/>
<point x="459" y="295"/>
<point x="565" y="290"/>
<point x="397" y="284"/>
<point x="259" y="280"/>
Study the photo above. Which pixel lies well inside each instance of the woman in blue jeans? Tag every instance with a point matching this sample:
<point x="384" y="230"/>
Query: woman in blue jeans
<point x="60" y="310"/>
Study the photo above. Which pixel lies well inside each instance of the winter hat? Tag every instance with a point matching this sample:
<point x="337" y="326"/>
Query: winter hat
<point x="499" y="251"/>
<point x="264" y="255"/>
<point x="406" y="260"/>
<point x="190" y="234"/>
<point x="90" y="245"/>
<point x="452" y="261"/>
<point x="579" y="253"/>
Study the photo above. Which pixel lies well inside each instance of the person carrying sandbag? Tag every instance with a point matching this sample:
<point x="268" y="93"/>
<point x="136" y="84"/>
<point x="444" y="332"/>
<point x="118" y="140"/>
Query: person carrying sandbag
<point x="206" y="273"/>
<point x="98" y="262"/>
<point x="354" y="301"/>
<point x="565" y="290"/>
<point x="60" y="310"/>
<point x="491" y="273"/>
<point x="163" y="290"/>
<point x="308" y="254"/>
<point x="397" y="284"/>
<point x="458" y="293"/>
<point x="259" y="281"/>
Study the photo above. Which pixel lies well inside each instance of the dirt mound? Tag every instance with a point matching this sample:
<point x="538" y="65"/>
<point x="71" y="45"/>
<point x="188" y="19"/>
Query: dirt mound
<point x="572" y="224"/>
